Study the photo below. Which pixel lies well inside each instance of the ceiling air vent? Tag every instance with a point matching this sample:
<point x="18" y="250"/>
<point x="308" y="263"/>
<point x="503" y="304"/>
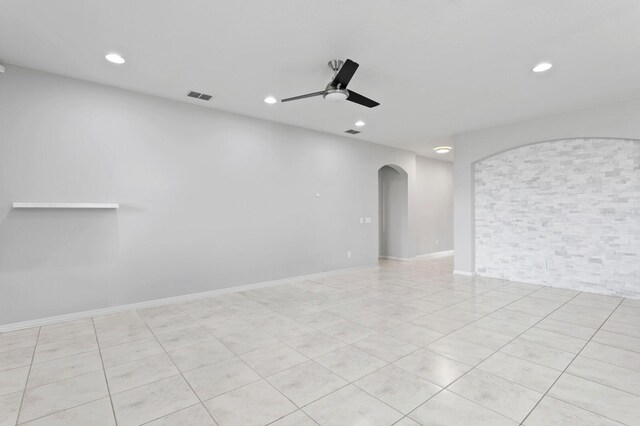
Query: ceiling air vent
<point x="352" y="132"/>
<point x="198" y="95"/>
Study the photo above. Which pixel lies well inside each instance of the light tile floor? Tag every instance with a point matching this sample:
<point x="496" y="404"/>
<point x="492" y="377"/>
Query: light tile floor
<point x="406" y="343"/>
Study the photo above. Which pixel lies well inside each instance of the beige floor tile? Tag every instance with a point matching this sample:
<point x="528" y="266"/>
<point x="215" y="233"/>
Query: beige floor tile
<point x="255" y="404"/>
<point x="435" y="368"/>
<point x="350" y="363"/>
<point x="13" y="380"/>
<point x="606" y="374"/>
<point x="155" y="400"/>
<point x="15" y="358"/>
<point x="18" y="339"/>
<point x="551" y="411"/>
<point x="315" y="344"/>
<point x="196" y="415"/>
<point x="306" y="382"/>
<point x="460" y="350"/>
<point x="566" y="328"/>
<point x="414" y="334"/>
<point x="537" y="353"/>
<point x="562" y="342"/>
<point x="131" y="351"/>
<point x="272" y="359"/>
<point x="65" y="331"/>
<point x="349" y="332"/>
<point x="247" y="341"/>
<point x="497" y="394"/>
<point x="609" y="354"/>
<point x="616" y="340"/>
<point x="141" y="372"/>
<point x="96" y="413"/>
<point x="63" y="348"/>
<point x="297" y="418"/>
<point x="9" y="406"/>
<point x="385" y="347"/>
<point x="480" y="336"/>
<point x="449" y="409"/>
<point x="398" y="388"/>
<point x="351" y="406"/>
<point x="215" y="379"/>
<point x="200" y="354"/>
<point x="520" y="371"/>
<point x="61" y="395"/>
<point x="64" y="368"/>
<point x="609" y="402"/>
<point x="182" y="338"/>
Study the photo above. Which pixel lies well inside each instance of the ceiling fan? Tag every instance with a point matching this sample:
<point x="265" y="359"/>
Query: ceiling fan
<point x="336" y="90"/>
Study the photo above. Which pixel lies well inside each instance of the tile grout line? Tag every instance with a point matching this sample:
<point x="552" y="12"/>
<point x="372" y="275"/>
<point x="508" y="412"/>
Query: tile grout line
<point x="416" y="350"/>
<point x="104" y="371"/>
<point x="497" y="350"/>
<point x="24" y="391"/>
<point x="569" y="364"/>
<point x="179" y="371"/>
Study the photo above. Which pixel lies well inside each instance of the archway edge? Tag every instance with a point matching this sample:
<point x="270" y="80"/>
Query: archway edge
<point x="552" y="140"/>
<point x="395" y="167"/>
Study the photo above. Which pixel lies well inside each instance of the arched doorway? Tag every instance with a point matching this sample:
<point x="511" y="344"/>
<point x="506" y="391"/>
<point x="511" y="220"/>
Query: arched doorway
<point x="393" y="212"/>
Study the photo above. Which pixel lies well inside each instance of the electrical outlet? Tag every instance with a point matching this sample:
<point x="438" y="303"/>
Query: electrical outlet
<point x="349" y="254"/>
<point x="362" y="220"/>
<point x="368" y="220"/>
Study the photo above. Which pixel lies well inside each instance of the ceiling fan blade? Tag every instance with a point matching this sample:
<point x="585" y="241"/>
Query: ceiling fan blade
<point x="347" y="70"/>
<point x="308" y="95"/>
<point x="361" y="100"/>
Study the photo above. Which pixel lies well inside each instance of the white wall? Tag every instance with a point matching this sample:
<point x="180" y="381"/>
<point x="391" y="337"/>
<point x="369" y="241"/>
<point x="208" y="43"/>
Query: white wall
<point x="434" y="205"/>
<point x="208" y="199"/>
<point x="563" y="213"/>
<point x="618" y="120"/>
<point x="394" y="214"/>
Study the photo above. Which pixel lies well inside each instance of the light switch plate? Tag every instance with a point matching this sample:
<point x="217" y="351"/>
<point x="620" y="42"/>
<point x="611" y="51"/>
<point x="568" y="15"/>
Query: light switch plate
<point x="368" y="220"/>
<point x="362" y="220"/>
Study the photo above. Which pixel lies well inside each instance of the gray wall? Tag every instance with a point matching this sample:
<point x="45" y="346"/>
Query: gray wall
<point x="208" y="199"/>
<point x="618" y="120"/>
<point x="434" y="201"/>
<point x="393" y="213"/>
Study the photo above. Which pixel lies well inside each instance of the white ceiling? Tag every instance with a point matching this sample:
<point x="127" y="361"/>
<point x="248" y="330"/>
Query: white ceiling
<point x="438" y="67"/>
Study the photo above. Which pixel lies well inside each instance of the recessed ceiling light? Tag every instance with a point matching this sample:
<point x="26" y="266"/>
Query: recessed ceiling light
<point x="542" y="67"/>
<point x="114" y="58"/>
<point x="442" y="149"/>
<point x="270" y="100"/>
<point x="360" y="123"/>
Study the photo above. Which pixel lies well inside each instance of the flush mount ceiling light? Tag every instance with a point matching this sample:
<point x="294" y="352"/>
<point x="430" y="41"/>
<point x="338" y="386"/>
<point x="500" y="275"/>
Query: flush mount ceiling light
<point x="360" y="123"/>
<point x="442" y="149"/>
<point x="270" y="100"/>
<point x="114" y="58"/>
<point x="542" y="67"/>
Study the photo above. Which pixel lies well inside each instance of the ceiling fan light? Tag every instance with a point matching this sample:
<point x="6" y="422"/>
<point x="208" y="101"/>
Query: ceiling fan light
<point x="442" y="149"/>
<point x="336" y="95"/>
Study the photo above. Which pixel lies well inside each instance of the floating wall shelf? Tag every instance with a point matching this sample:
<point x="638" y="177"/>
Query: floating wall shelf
<point x="21" y="205"/>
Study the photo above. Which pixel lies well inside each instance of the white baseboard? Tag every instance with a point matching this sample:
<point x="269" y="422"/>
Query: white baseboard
<point x="169" y="300"/>
<point x="420" y="256"/>
<point x="465" y="273"/>
<point x="401" y="259"/>
<point x="435" y="255"/>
